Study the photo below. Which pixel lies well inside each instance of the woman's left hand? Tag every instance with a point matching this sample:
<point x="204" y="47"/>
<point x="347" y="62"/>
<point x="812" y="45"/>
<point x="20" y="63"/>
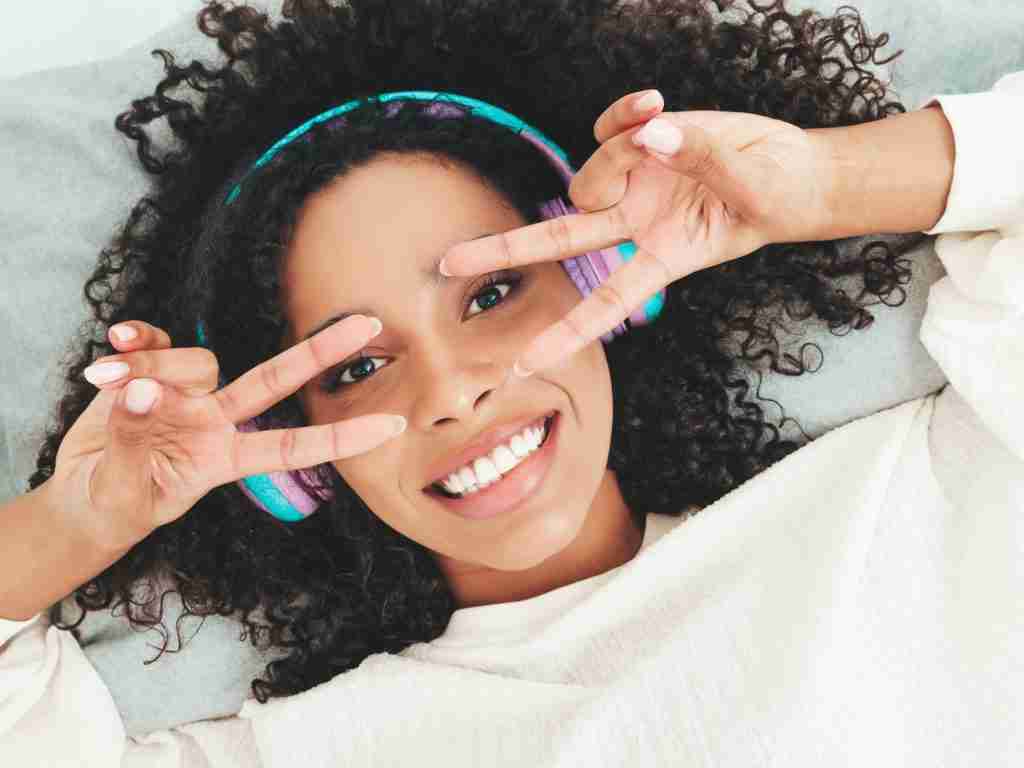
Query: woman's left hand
<point x="738" y="182"/>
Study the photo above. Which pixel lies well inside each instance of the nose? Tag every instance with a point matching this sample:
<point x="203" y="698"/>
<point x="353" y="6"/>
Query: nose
<point x="457" y="388"/>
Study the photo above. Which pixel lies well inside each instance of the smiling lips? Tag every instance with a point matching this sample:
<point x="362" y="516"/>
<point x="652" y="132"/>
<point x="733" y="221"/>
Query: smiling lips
<point x="510" y="492"/>
<point x="496" y="465"/>
<point x="484" y="445"/>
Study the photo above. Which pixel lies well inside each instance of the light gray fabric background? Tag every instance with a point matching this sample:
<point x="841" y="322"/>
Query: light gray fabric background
<point x="68" y="179"/>
<point x="34" y="38"/>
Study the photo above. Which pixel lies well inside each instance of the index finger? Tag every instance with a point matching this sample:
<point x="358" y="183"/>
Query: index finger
<point x="270" y="382"/>
<point x="551" y="240"/>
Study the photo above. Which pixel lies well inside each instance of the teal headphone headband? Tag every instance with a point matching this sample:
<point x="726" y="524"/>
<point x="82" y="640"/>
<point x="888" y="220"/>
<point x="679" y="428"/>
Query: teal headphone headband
<point x="279" y="493"/>
<point x="478" y="108"/>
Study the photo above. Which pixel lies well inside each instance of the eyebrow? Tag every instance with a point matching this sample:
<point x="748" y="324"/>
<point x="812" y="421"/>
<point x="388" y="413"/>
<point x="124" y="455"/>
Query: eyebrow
<point x="431" y="276"/>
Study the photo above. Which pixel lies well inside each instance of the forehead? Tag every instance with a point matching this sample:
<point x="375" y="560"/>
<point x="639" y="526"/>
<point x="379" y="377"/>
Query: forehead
<point x="380" y="227"/>
<point x="414" y="203"/>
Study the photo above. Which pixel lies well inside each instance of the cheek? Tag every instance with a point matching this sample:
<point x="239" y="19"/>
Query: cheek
<point x="594" y="365"/>
<point x="373" y="475"/>
<point x="363" y="476"/>
<point x="594" y="385"/>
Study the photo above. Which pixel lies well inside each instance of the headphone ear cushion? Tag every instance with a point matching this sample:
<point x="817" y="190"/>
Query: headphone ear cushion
<point x="280" y="493"/>
<point x="587" y="270"/>
<point x="277" y="493"/>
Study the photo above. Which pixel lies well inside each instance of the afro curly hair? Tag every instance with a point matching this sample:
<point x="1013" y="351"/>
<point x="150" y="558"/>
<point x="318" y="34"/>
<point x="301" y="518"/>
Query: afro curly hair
<point x="342" y="585"/>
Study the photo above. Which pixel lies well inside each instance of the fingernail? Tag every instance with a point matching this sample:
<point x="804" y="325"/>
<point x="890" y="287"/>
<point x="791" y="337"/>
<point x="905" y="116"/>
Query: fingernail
<point x="648" y="101"/>
<point x="520" y="371"/>
<point x="443" y="268"/>
<point x="661" y="136"/>
<point x="376" y="326"/>
<point x="140" y="395"/>
<point x="400" y="424"/>
<point x="124" y="332"/>
<point x="104" y="373"/>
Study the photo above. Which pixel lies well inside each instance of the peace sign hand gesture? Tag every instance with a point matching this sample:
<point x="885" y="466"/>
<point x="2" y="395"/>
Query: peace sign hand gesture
<point x="735" y="183"/>
<point x="130" y="472"/>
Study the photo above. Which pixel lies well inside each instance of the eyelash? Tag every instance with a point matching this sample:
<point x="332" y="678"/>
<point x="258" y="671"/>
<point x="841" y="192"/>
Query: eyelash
<point x="332" y="382"/>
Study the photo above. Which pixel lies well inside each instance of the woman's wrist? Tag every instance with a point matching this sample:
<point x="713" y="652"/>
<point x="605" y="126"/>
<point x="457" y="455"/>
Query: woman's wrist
<point x="888" y="176"/>
<point x="46" y="551"/>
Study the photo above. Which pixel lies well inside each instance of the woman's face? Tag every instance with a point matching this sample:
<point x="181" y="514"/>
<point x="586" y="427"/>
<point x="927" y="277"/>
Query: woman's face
<point x="369" y="243"/>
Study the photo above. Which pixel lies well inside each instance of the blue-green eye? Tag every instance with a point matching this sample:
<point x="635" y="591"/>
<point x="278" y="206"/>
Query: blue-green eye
<point x="338" y="378"/>
<point x="490" y="290"/>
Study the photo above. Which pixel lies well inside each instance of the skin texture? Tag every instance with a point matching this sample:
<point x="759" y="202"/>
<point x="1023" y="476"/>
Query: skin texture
<point x="443" y="360"/>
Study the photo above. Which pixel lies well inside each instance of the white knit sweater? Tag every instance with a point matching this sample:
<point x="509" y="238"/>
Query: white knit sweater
<point x="860" y="603"/>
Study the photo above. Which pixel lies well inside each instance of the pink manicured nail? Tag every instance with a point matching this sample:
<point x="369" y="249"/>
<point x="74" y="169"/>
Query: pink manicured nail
<point x="661" y="136"/>
<point x="124" y="332"/>
<point x="140" y="394"/>
<point x="104" y="373"/>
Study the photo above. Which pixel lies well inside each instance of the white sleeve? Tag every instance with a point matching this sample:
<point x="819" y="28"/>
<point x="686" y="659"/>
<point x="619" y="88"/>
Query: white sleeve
<point x="56" y="711"/>
<point x="54" y="708"/>
<point x="973" y="325"/>
<point x="987" y="193"/>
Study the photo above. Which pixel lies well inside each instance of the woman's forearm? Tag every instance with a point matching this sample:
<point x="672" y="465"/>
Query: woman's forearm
<point x="44" y="554"/>
<point x="891" y="175"/>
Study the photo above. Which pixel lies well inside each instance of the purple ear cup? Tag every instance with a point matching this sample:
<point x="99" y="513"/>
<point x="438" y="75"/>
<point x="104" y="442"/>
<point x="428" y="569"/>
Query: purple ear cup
<point x="591" y="269"/>
<point x="279" y="493"/>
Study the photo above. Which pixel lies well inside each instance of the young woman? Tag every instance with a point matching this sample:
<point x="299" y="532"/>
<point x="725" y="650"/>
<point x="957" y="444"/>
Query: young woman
<point x="513" y="579"/>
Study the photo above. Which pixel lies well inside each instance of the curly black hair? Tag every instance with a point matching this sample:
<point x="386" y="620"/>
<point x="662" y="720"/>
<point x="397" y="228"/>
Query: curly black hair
<point x="342" y="585"/>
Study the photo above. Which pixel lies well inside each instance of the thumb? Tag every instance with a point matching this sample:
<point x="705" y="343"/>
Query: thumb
<point x="695" y="153"/>
<point x="120" y="482"/>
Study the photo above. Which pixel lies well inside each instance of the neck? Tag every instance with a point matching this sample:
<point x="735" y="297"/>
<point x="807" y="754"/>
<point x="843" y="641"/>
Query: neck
<point x="608" y="539"/>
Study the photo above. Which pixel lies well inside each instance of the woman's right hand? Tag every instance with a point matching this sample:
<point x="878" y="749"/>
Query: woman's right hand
<point x="130" y="473"/>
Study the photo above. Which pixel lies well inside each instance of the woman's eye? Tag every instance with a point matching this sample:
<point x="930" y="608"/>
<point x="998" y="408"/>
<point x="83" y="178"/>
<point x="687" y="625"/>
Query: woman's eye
<point x="360" y="364"/>
<point x="489" y="291"/>
<point x="489" y="296"/>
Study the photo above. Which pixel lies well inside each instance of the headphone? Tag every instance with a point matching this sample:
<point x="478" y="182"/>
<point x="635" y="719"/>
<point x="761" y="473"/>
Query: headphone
<point x="279" y="493"/>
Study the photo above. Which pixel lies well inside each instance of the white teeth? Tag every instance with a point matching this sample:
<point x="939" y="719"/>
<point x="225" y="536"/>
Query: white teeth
<point x="504" y="459"/>
<point x="519" y="446"/>
<point x="489" y="468"/>
<point x="466" y="477"/>
<point x="485" y="470"/>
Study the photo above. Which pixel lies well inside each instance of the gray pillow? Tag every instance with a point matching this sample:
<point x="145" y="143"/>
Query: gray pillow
<point x="69" y="180"/>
